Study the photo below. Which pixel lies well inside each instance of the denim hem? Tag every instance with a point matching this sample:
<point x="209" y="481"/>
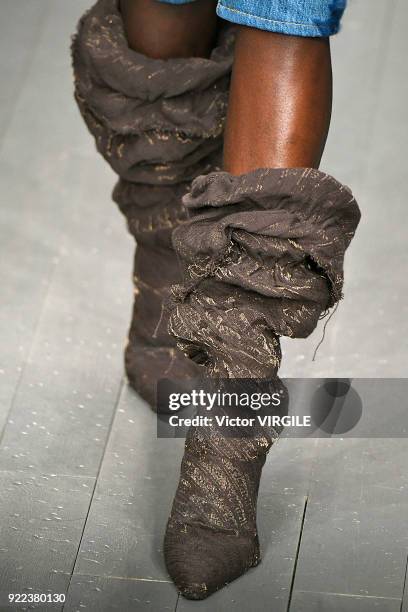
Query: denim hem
<point x="273" y="25"/>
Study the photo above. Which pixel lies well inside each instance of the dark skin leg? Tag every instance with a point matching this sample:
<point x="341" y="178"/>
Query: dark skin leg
<point x="281" y="90"/>
<point x="280" y="102"/>
<point x="164" y="31"/>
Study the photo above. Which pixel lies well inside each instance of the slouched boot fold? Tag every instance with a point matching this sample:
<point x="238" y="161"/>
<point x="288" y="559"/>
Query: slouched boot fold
<point x="262" y="257"/>
<point x="159" y="124"/>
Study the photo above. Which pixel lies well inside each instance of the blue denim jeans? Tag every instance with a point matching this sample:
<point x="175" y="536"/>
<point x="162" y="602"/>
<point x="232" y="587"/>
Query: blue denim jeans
<point x="296" y="17"/>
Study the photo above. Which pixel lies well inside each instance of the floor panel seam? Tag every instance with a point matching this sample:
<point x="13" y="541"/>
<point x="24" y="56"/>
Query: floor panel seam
<point x="116" y="404"/>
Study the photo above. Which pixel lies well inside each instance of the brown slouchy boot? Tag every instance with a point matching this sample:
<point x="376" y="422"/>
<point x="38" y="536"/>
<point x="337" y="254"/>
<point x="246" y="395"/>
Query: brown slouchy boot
<point x="263" y="258"/>
<point x="159" y="124"/>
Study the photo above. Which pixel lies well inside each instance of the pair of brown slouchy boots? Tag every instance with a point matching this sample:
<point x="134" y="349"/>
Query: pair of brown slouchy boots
<point x="224" y="266"/>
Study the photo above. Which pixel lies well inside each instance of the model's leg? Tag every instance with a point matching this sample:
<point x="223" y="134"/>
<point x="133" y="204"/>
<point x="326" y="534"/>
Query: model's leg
<point x="163" y="31"/>
<point x="286" y="123"/>
<point x="158" y="30"/>
<point x="159" y="124"/>
<point x="263" y="254"/>
<point x="278" y="116"/>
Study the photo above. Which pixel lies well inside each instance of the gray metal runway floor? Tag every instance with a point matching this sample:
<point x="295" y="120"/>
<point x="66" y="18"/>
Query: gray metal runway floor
<point x="85" y="484"/>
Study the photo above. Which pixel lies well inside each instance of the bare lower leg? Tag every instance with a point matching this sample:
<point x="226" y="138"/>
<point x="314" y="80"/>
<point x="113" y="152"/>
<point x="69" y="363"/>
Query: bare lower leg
<point x="280" y="101"/>
<point x="165" y="31"/>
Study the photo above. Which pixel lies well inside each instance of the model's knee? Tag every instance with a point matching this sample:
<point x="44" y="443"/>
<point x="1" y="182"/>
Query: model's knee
<point x="164" y="31"/>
